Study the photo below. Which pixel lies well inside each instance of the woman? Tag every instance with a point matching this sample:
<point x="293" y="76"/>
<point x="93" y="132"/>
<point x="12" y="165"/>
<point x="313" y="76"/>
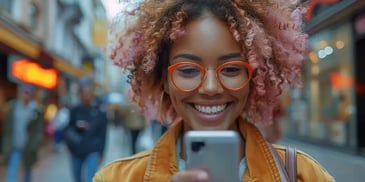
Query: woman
<point x="210" y="65"/>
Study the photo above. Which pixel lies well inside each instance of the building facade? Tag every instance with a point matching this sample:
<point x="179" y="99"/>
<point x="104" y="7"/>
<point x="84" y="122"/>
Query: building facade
<point x="49" y="43"/>
<point x="54" y="34"/>
<point x="330" y="108"/>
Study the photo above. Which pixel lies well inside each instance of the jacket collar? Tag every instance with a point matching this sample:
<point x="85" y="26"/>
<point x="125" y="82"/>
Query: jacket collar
<point x="261" y="165"/>
<point x="163" y="163"/>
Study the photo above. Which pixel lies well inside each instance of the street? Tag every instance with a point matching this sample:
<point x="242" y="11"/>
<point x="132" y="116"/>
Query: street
<point x="55" y="166"/>
<point x="85" y="64"/>
<point x="342" y="166"/>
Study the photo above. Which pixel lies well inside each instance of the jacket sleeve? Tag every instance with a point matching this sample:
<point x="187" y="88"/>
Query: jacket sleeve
<point x="7" y="136"/>
<point x="97" y="130"/>
<point x="71" y="137"/>
<point x="103" y="128"/>
<point x="35" y="129"/>
<point x="311" y="170"/>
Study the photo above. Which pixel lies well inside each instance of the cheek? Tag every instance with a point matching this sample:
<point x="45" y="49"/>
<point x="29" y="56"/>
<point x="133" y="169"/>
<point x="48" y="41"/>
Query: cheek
<point x="176" y="96"/>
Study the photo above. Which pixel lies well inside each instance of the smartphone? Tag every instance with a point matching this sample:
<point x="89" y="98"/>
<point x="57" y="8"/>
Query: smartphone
<point x="216" y="151"/>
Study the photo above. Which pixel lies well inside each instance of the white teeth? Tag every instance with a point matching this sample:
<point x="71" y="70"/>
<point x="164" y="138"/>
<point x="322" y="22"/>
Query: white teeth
<point x="210" y="109"/>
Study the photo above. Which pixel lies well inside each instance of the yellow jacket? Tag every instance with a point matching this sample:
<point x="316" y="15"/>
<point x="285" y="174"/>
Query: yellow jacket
<point x="159" y="164"/>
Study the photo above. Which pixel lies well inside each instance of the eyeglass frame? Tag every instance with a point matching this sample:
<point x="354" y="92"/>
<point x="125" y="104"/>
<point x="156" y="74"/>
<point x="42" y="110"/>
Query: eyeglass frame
<point x="203" y="69"/>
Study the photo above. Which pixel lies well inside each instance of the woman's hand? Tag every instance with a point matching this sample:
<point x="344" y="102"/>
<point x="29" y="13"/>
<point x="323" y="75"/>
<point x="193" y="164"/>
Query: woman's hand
<point x="190" y="176"/>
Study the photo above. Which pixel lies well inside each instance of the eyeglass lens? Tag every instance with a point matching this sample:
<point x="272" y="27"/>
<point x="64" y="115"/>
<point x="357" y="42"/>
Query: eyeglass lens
<point x="187" y="77"/>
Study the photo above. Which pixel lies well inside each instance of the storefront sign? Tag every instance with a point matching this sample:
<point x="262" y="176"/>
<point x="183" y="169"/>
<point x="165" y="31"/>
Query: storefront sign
<point x="313" y="4"/>
<point x="100" y="32"/>
<point x="340" y="81"/>
<point x="33" y="73"/>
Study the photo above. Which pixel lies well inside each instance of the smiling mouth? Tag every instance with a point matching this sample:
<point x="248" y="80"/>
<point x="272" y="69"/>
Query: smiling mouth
<point x="213" y="109"/>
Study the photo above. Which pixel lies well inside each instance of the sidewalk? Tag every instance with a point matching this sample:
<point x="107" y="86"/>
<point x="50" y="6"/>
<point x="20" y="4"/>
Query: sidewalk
<point x="52" y="166"/>
<point x="342" y="166"/>
<point x="56" y="166"/>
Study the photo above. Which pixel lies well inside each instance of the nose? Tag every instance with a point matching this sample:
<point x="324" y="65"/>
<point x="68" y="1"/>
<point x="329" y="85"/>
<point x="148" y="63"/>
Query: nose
<point x="211" y="85"/>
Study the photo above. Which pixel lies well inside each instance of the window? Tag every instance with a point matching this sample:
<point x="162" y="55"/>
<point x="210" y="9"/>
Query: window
<point x="5" y="5"/>
<point x="33" y="14"/>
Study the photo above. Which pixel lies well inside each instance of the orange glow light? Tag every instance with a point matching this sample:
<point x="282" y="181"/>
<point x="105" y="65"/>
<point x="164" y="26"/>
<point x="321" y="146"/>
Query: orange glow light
<point x="33" y="73"/>
<point x="340" y="81"/>
<point x="340" y="44"/>
<point x="313" y="57"/>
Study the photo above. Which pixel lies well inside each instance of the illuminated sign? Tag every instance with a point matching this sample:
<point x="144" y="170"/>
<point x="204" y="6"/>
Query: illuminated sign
<point x="312" y="4"/>
<point x="340" y="81"/>
<point x="100" y="32"/>
<point x="33" y="73"/>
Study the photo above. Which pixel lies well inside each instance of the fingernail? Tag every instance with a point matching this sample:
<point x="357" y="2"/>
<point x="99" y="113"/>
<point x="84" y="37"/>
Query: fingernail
<point x="203" y="176"/>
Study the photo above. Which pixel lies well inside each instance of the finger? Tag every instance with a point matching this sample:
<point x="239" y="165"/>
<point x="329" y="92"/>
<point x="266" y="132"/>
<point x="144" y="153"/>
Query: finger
<point x="190" y="176"/>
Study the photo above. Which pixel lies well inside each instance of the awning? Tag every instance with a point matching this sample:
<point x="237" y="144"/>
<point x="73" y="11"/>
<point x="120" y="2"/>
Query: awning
<point x="68" y="68"/>
<point x="14" y="41"/>
<point x="344" y="9"/>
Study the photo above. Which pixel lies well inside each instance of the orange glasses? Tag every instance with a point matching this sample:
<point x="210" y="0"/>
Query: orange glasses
<point x="188" y="76"/>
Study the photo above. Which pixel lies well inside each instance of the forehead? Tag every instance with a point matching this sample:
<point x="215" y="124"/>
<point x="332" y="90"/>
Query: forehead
<point x="206" y="37"/>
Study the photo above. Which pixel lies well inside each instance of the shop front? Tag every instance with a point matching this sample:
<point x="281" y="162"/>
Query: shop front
<point x="24" y="59"/>
<point x="33" y="63"/>
<point x="326" y="111"/>
<point x="359" y="30"/>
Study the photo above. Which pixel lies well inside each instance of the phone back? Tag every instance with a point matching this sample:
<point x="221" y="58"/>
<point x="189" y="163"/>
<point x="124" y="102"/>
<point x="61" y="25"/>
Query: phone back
<point x="215" y="151"/>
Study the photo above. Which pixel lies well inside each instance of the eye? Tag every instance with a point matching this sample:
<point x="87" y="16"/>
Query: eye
<point x="188" y="71"/>
<point x="233" y="70"/>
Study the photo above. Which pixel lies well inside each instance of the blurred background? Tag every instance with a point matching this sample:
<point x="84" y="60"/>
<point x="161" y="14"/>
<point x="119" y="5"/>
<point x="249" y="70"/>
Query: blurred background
<point x="52" y="44"/>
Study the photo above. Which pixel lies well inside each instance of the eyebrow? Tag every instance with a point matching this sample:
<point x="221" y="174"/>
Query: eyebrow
<point x="229" y="56"/>
<point x="196" y="58"/>
<point x="187" y="56"/>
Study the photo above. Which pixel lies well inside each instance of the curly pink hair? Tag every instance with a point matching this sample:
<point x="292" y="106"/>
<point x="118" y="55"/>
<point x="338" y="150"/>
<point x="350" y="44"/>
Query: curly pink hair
<point x="269" y="32"/>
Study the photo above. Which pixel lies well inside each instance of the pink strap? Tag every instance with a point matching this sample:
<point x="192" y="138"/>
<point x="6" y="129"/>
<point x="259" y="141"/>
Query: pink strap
<point x="291" y="162"/>
<point x="288" y="172"/>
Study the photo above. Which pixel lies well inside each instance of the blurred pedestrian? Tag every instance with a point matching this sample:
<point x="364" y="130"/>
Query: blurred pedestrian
<point x="115" y="116"/>
<point x="85" y="134"/>
<point x="59" y="123"/>
<point x="23" y="133"/>
<point x="344" y="108"/>
<point x="134" y="124"/>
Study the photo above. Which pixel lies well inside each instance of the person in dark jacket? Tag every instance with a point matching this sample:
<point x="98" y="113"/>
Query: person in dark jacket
<point x="23" y="133"/>
<point x="85" y="134"/>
